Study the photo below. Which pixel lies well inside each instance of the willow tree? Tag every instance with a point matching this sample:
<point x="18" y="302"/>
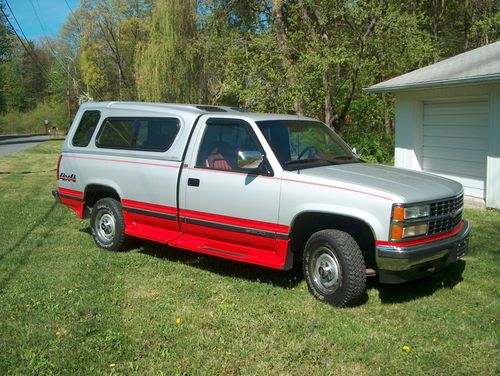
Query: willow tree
<point x="167" y="64"/>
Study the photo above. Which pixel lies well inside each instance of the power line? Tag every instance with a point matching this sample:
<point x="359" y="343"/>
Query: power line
<point x="15" y="19"/>
<point x="40" y="22"/>
<point x="39" y="19"/>
<point x="30" y="53"/>
<point x="73" y="14"/>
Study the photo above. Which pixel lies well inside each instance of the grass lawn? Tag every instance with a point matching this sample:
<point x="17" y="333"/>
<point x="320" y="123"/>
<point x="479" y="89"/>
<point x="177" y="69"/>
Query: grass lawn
<point x="68" y="307"/>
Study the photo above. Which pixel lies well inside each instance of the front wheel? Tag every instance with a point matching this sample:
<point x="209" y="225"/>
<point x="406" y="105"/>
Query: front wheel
<point x="108" y="225"/>
<point x="334" y="268"/>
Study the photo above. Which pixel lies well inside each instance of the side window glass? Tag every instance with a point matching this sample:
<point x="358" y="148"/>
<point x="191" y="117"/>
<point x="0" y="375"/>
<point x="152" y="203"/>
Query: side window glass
<point x="228" y="145"/>
<point x="86" y="128"/>
<point x="147" y="134"/>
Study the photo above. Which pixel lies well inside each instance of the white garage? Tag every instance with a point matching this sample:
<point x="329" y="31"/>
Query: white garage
<point x="448" y="121"/>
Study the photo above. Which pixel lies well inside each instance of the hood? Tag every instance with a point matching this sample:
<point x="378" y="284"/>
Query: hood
<point x="410" y="186"/>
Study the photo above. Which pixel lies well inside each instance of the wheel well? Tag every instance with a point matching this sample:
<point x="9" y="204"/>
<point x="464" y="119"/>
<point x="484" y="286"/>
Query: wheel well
<point x="306" y="224"/>
<point x="94" y="193"/>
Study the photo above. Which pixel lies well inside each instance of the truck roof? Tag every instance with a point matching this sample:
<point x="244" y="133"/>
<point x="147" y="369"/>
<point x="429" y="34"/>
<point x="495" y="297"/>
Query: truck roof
<point x="192" y="109"/>
<point x="188" y="112"/>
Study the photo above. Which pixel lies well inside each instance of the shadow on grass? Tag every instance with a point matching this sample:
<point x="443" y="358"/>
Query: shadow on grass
<point x="24" y="257"/>
<point x="389" y="294"/>
<point x="224" y="267"/>
<point x="405" y="292"/>
<point x="285" y="279"/>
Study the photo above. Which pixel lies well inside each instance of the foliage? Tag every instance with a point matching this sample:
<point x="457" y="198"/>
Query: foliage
<point x="5" y="47"/>
<point x="109" y="31"/>
<point x="32" y="122"/>
<point x="310" y="57"/>
<point x="167" y="66"/>
<point x="27" y="81"/>
<point x="72" y="308"/>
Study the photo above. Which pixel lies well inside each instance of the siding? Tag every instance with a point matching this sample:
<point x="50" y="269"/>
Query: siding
<point x="455" y="141"/>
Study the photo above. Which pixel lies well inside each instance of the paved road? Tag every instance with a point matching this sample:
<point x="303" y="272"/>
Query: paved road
<point x="13" y="144"/>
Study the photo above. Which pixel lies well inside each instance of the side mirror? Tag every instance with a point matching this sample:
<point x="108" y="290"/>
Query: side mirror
<point x="251" y="160"/>
<point x="356" y="153"/>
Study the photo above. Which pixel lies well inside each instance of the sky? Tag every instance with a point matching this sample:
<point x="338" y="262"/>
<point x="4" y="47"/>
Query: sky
<point x="51" y="16"/>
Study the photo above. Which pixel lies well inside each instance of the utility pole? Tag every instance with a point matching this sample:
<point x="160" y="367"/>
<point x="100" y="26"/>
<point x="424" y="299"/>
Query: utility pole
<point x="69" y="101"/>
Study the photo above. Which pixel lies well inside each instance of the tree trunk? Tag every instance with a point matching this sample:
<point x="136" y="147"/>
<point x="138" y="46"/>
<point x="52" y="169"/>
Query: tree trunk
<point x="288" y="60"/>
<point x="467" y="24"/>
<point x="327" y="84"/>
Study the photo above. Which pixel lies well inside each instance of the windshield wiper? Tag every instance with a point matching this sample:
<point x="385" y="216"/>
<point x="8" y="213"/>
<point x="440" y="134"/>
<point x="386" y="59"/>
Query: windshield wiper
<point x="306" y="160"/>
<point x="333" y="160"/>
<point x="343" y="157"/>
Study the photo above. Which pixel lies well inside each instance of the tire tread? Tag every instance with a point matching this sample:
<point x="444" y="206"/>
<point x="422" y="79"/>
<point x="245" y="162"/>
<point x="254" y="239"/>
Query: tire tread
<point x="354" y="268"/>
<point x="121" y="239"/>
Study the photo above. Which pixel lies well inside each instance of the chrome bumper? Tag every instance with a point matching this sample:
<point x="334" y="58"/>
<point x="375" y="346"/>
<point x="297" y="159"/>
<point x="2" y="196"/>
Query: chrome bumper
<point x="422" y="259"/>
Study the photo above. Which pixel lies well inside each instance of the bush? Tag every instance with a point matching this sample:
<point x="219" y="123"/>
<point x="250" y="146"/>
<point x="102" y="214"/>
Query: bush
<point x="374" y="148"/>
<point x="32" y="122"/>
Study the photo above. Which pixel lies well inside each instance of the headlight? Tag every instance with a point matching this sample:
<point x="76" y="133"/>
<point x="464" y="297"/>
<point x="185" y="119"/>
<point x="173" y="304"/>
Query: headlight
<point x="415" y="230"/>
<point x="406" y="223"/>
<point x="417" y="211"/>
<point x="400" y="213"/>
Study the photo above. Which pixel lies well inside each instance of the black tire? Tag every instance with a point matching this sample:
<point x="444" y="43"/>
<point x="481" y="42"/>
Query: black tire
<point x="334" y="268"/>
<point x="108" y="225"/>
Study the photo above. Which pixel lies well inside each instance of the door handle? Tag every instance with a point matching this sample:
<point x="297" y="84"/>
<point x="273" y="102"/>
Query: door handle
<point x="192" y="182"/>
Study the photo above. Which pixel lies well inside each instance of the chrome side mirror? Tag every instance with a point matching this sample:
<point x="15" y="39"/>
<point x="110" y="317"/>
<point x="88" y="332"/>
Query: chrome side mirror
<point x="356" y="153"/>
<point x="250" y="160"/>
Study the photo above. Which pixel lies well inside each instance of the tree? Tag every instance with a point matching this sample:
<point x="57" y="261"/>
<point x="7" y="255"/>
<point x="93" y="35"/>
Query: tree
<point x="27" y="83"/>
<point x="5" y="47"/>
<point x="460" y="25"/>
<point x="110" y="32"/>
<point x="168" y="66"/>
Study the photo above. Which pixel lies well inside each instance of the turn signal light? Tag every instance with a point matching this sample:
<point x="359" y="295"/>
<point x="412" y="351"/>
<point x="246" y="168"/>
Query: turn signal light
<point x="399" y="213"/>
<point x="397" y="232"/>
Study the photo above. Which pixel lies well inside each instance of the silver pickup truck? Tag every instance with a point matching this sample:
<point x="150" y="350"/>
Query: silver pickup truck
<point x="258" y="188"/>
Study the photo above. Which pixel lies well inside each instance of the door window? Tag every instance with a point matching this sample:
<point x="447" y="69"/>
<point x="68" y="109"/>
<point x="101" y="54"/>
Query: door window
<point x="228" y="145"/>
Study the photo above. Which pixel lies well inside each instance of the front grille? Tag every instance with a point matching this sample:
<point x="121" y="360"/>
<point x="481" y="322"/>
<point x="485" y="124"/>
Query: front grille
<point x="447" y="206"/>
<point x="449" y="213"/>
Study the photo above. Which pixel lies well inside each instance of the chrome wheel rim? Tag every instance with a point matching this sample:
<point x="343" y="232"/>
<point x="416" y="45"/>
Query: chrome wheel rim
<point x="106" y="226"/>
<point x="325" y="270"/>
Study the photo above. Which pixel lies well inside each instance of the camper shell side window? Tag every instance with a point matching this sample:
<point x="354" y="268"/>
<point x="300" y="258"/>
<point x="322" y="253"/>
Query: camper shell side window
<point x="86" y="128"/>
<point x="138" y="133"/>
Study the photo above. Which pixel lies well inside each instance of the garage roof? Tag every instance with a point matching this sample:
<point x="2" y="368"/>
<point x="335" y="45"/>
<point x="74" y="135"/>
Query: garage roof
<point x="478" y="65"/>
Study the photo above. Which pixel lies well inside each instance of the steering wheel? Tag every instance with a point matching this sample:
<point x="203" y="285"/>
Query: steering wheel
<point x="309" y="149"/>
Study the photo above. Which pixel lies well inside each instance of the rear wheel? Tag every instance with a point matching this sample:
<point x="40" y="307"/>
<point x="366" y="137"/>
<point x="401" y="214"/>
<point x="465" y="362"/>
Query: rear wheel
<point x="334" y="268"/>
<point x="108" y="225"/>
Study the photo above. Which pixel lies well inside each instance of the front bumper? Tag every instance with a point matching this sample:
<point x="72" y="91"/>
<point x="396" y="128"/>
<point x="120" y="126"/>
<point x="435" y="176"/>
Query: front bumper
<point x="400" y="264"/>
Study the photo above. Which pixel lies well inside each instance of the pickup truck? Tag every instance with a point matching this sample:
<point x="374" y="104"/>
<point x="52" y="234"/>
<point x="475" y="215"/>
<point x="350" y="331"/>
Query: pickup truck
<point x="266" y="189"/>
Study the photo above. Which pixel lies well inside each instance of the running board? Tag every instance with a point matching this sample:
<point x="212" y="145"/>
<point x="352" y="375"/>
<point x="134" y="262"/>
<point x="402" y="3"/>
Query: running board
<point x="234" y="254"/>
<point x="230" y="251"/>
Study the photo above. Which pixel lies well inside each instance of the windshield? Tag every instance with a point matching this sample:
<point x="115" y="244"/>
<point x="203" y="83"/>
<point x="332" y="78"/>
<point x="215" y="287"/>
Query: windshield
<point x="302" y="144"/>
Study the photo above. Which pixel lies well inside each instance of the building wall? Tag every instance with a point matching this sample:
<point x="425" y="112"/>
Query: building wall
<point x="409" y="129"/>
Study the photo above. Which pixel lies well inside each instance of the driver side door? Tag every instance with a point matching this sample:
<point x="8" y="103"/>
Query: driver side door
<point x="231" y="210"/>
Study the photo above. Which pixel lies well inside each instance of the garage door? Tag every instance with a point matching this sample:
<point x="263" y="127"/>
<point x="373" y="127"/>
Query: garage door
<point x="455" y="142"/>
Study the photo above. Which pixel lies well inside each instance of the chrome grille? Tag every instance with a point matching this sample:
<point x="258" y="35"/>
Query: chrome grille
<point x="448" y="213"/>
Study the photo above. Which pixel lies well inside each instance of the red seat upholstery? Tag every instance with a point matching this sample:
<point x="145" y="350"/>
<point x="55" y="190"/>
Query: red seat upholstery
<point x="216" y="160"/>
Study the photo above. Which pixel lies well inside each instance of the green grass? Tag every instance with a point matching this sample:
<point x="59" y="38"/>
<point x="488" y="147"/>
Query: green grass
<point x="67" y="307"/>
